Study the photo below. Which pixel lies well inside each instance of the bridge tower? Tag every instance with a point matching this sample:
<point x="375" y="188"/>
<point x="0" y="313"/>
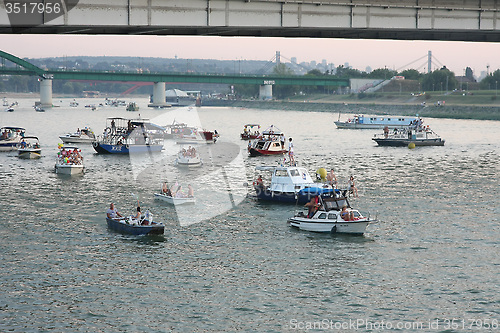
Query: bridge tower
<point x="429" y="61"/>
<point x="159" y="95"/>
<point x="46" y="92"/>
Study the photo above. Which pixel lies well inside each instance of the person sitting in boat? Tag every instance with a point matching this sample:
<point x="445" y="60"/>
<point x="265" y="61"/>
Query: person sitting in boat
<point x="312" y="206"/>
<point x="190" y="191"/>
<point x="259" y="182"/>
<point x="179" y="193"/>
<point x="346" y="215"/>
<point x="165" y="190"/>
<point x="24" y="144"/>
<point x="386" y="131"/>
<point x="112" y="213"/>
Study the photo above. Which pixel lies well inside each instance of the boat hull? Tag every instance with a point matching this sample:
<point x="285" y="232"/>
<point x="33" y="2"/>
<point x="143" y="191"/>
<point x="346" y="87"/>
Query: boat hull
<point x="125" y="149"/>
<point x="132" y="229"/>
<point x="260" y="152"/>
<point x="405" y="143"/>
<point x="175" y="201"/>
<point x="69" y="169"/>
<point x="68" y="139"/>
<point x="316" y="225"/>
<point x="9" y="146"/>
<point x="285" y="197"/>
<point x="29" y="154"/>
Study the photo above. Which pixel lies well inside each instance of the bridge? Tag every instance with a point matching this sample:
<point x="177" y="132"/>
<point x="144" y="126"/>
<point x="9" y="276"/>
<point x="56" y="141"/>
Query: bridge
<point x="158" y="79"/>
<point x="464" y="20"/>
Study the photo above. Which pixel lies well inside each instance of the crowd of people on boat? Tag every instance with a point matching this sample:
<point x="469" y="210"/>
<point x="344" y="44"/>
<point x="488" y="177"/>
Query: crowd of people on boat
<point x="10" y="133"/>
<point x="69" y="156"/>
<point x="176" y="191"/>
<point x="188" y="153"/>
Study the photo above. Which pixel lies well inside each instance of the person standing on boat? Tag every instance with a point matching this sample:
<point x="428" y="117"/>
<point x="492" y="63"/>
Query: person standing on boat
<point x="282" y="139"/>
<point x="290" y="151"/>
<point x="113" y="126"/>
<point x="312" y="206"/>
<point x="386" y="131"/>
<point x="332" y="179"/>
<point x="351" y="186"/>
<point x="112" y="213"/>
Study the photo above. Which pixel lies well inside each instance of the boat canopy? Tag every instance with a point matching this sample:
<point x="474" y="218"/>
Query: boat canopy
<point x="272" y="130"/>
<point x="13" y="128"/>
<point x="30" y="137"/>
<point x="252" y="125"/>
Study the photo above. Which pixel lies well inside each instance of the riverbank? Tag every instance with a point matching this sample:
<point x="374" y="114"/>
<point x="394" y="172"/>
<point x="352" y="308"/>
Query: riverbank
<point x="448" y="111"/>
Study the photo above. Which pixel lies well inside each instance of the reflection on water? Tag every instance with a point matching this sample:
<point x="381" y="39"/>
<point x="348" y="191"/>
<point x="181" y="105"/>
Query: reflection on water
<point x="231" y="263"/>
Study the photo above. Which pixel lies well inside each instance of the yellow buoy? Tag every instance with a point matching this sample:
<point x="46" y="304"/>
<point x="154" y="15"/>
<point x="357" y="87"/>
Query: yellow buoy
<point x="322" y="173"/>
<point x="411" y="145"/>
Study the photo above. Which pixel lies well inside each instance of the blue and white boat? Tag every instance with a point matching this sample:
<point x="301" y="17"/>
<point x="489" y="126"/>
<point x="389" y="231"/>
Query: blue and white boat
<point x="11" y="137"/>
<point x="375" y="122"/>
<point x="128" y="136"/>
<point x="291" y="184"/>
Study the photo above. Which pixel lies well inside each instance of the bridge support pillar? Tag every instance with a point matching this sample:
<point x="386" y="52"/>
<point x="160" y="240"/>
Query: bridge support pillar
<point x="266" y="92"/>
<point x="159" y="95"/>
<point x="46" y="93"/>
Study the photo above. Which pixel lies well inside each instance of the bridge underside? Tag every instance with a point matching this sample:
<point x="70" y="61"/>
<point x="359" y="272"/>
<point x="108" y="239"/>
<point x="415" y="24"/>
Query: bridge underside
<point x="465" y="20"/>
<point x="352" y="33"/>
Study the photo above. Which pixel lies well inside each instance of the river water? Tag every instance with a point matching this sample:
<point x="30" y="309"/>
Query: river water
<point x="230" y="263"/>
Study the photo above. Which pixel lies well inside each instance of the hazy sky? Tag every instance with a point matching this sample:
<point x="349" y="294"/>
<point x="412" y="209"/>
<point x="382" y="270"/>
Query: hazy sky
<point x="358" y="53"/>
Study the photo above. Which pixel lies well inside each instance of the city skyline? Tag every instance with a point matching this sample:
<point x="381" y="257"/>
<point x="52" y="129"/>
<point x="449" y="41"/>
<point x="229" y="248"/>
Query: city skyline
<point x="360" y="54"/>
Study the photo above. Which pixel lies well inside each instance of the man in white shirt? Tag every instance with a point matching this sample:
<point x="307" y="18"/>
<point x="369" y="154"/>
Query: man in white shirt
<point x="112" y="213"/>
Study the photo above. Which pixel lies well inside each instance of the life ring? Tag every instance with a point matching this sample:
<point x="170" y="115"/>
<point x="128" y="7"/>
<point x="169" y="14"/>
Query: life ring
<point x="107" y="130"/>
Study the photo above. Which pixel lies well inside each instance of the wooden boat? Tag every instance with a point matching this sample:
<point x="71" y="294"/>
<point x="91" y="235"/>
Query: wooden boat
<point x="133" y="227"/>
<point x="29" y="148"/>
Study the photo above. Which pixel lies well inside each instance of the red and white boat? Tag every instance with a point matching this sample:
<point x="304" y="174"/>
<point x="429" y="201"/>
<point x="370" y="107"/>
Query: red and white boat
<point x="193" y="135"/>
<point x="270" y="142"/>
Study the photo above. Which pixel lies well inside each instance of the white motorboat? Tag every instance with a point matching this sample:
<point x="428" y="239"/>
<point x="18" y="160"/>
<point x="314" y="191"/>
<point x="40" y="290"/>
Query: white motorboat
<point x="332" y="214"/>
<point x="175" y="195"/>
<point x="290" y="184"/>
<point x="29" y="148"/>
<point x="85" y="135"/>
<point x="193" y="135"/>
<point x="188" y="158"/>
<point x="10" y="137"/>
<point x="174" y="200"/>
<point x="69" y="161"/>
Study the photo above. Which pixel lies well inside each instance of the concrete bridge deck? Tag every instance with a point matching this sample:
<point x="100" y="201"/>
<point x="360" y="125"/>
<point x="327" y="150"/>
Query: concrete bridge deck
<point x="465" y="20"/>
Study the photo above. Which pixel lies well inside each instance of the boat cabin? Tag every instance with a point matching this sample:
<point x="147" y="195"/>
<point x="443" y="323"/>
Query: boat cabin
<point x="289" y="179"/>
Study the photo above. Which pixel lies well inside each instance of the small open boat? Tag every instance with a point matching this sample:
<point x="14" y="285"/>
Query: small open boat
<point x="29" y="148"/>
<point x="134" y="227"/>
<point x="188" y="158"/>
<point x="175" y="200"/>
